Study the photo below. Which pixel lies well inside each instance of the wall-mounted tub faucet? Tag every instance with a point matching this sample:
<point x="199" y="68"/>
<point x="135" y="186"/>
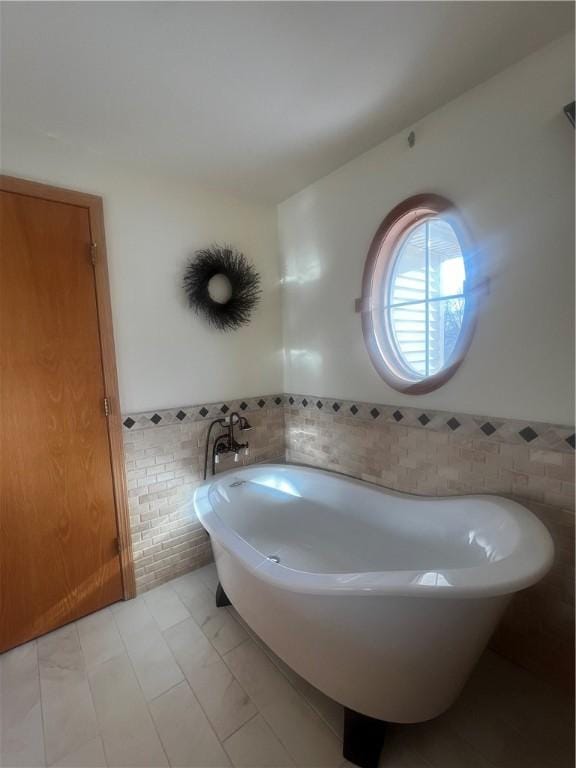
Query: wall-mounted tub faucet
<point x="226" y="442"/>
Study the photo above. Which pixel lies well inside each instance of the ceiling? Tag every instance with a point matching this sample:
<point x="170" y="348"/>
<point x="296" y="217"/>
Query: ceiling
<point x="253" y="99"/>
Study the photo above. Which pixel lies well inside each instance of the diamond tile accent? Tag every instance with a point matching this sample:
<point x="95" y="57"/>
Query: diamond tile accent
<point x="363" y="448"/>
<point x="528" y="434"/>
<point x="549" y="436"/>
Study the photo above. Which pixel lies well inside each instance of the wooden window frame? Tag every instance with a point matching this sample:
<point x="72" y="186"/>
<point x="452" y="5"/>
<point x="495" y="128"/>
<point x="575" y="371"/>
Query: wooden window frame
<point x="93" y="204"/>
<point x="377" y="270"/>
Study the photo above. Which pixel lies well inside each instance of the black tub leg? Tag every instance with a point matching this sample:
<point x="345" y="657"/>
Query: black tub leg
<point x="221" y="597"/>
<point x="363" y="739"/>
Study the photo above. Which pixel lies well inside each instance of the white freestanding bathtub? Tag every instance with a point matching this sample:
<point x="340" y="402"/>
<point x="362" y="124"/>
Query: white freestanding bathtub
<point x="382" y="600"/>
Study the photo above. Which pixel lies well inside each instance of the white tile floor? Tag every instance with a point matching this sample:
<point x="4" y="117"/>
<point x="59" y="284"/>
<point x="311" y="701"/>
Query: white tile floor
<point x="169" y="679"/>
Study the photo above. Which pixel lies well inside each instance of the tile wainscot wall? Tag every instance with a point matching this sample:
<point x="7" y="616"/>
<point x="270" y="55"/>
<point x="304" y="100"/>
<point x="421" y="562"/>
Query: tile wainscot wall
<point x="164" y="453"/>
<point x="408" y="449"/>
<point x="442" y="454"/>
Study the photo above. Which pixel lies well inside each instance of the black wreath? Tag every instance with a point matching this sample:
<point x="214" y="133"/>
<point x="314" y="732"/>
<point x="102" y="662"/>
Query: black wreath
<point x="244" y="283"/>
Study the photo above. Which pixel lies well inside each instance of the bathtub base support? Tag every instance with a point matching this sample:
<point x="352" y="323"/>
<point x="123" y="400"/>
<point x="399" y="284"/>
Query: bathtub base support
<point x="222" y="599"/>
<point x="363" y="739"/>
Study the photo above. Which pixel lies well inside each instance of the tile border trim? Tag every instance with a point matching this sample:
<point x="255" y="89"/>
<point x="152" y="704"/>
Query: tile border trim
<point x="512" y="431"/>
<point x="536" y="434"/>
<point x="201" y="412"/>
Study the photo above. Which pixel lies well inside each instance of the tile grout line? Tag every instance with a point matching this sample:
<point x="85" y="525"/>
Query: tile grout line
<point x="265" y="649"/>
<point x="197" y="701"/>
<point x="306" y="703"/>
<point x="159" y="695"/>
<point x="191" y="618"/>
<point x="258" y="713"/>
<point x="74" y="624"/>
<point x="452" y="728"/>
<point x="44" y="757"/>
<point x="194" y="620"/>
<point x="239" y="728"/>
<point x="277" y="735"/>
<point x="100" y="734"/>
<point x="258" y="710"/>
<point x="138" y="681"/>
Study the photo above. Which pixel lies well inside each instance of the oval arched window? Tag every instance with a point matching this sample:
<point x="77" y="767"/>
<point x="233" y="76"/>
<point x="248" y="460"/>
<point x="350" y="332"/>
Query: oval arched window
<point x="418" y="311"/>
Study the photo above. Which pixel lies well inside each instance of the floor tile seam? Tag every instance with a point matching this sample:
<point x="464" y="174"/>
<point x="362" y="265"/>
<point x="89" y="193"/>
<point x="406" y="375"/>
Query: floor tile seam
<point x="197" y="700"/>
<point x="254" y="716"/>
<point x="41" y="698"/>
<point x="74" y="626"/>
<point x="200" y="627"/>
<point x="239" y="728"/>
<point x="303" y="696"/>
<point x="262" y="711"/>
<point x="206" y="715"/>
<point x="289" y="681"/>
<point x="127" y="653"/>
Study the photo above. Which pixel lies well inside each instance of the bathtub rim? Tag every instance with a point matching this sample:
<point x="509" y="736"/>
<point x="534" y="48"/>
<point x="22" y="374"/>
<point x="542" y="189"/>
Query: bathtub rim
<point x="528" y="563"/>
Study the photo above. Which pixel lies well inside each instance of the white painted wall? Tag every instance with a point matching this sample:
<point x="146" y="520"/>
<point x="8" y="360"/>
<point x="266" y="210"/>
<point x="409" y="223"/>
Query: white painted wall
<point x="504" y="153"/>
<point x="166" y="355"/>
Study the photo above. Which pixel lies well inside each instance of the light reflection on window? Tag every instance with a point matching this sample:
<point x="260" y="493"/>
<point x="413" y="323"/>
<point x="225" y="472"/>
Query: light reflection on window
<point x="420" y="294"/>
<point x="426" y="298"/>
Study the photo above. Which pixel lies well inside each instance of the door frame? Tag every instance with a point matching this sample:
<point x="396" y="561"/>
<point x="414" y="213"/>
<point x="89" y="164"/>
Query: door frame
<point x="93" y="204"/>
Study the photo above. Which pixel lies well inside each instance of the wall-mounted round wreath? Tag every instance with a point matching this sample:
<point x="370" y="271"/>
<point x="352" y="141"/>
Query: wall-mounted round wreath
<point x="244" y="286"/>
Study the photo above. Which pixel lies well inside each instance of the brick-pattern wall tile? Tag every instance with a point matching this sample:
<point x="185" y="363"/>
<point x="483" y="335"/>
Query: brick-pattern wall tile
<point x="537" y="630"/>
<point x="164" y="466"/>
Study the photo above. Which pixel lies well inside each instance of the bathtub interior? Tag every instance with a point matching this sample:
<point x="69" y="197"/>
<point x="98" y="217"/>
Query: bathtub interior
<point x="319" y="523"/>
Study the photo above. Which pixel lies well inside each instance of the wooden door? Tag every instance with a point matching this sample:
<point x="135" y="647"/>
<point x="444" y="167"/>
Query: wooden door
<point x="59" y="535"/>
